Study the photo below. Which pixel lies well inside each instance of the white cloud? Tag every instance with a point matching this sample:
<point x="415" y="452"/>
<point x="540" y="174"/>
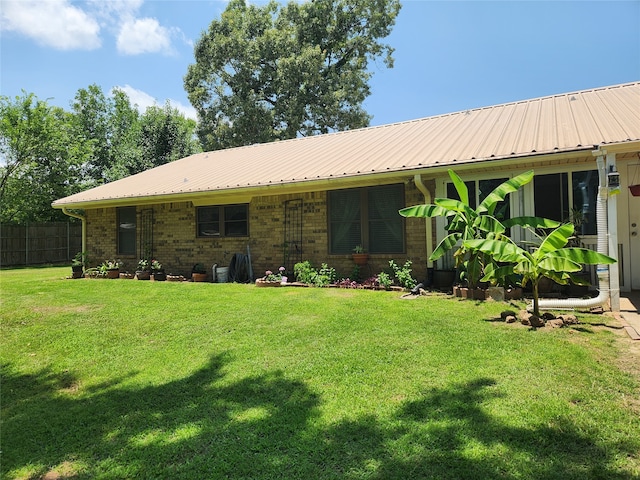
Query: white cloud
<point x="143" y="100"/>
<point x="53" y="23"/>
<point x="143" y="35"/>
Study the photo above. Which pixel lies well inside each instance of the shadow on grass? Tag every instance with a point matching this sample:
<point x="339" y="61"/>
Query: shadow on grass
<point x="269" y="427"/>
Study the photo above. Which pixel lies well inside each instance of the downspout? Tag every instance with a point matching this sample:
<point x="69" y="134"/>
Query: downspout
<point x="84" y="225"/>
<point x="603" y="247"/>
<point x="417" y="179"/>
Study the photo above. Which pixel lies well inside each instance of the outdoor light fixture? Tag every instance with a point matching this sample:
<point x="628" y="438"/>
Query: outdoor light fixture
<point x="613" y="178"/>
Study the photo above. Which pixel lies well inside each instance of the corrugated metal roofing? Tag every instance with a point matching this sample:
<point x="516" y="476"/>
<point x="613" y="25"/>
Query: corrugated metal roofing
<point x="558" y="123"/>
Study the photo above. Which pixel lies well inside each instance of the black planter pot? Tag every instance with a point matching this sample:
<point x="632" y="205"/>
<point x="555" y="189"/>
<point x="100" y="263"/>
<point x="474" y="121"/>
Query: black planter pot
<point x="159" y="276"/>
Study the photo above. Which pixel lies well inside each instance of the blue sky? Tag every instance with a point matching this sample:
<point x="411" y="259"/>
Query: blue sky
<point x="449" y="55"/>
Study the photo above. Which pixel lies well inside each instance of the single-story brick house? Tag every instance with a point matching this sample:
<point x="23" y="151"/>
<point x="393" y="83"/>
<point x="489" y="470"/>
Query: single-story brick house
<point x="318" y="197"/>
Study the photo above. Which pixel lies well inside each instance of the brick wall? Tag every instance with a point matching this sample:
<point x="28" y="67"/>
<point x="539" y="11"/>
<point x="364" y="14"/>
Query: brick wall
<point x="178" y="248"/>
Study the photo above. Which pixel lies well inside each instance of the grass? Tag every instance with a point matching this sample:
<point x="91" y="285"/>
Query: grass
<point x="129" y="379"/>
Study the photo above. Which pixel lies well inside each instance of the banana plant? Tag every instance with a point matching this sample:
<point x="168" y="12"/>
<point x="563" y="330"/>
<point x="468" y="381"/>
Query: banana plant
<point x="466" y="223"/>
<point x="551" y="258"/>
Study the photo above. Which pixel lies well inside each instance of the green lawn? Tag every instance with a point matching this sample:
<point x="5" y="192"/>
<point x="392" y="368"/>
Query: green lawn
<point x="129" y="379"/>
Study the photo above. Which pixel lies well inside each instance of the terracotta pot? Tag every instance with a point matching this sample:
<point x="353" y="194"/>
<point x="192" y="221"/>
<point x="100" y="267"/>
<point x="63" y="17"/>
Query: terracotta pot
<point x="199" y="277"/>
<point x="360" y="258"/>
<point x="143" y="274"/>
<point x="113" y="273"/>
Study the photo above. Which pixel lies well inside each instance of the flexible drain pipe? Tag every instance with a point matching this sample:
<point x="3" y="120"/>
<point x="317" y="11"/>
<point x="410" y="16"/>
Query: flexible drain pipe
<point x="602" y="271"/>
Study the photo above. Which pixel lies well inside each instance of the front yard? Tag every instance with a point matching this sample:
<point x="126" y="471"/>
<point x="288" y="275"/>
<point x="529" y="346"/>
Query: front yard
<point x="130" y="379"/>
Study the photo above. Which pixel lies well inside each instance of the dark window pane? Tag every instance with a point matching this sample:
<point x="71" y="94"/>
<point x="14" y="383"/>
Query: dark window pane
<point x="236" y="221"/>
<point x="344" y="220"/>
<point x="585" y="192"/>
<point x="208" y="221"/>
<point x="126" y="230"/>
<point x="551" y="198"/>
<point x="386" y="228"/>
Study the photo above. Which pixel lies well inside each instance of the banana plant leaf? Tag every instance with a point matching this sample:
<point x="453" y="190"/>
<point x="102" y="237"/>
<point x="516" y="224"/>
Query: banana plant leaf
<point x="555" y="240"/>
<point x="584" y="256"/>
<point x="424" y="211"/>
<point x="531" y="222"/>
<point x="446" y="244"/>
<point x="504" y="189"/>
<point x="461" y="187"/>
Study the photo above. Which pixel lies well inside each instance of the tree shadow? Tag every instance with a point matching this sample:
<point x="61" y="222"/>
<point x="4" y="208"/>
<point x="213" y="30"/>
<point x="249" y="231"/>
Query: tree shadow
<point x="268" y="426"/>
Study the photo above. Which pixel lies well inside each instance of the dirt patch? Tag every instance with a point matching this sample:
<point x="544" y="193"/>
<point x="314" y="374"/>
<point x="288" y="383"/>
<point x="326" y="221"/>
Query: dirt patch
<point x="52" y="309"/>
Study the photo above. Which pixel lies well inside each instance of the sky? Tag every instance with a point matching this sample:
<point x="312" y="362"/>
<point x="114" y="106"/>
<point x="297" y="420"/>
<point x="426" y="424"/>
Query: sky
<point x="449" y="55"/>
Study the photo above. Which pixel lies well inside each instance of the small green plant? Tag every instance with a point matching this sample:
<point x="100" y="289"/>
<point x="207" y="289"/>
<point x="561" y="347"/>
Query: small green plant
<point x="403" y="274"/>
<point x="111" y="265"/>
<point x="384" y="280"/>
<point x="156" y="265"/>
<point x="143" y="264"/>
<point x="79" y="260"/>
<point x="358" y="249"/>
<point x="269" y="276"/>
<point x="325" y="276"/>
<point x="306" y="273"/>
<point x="199" y="268"/>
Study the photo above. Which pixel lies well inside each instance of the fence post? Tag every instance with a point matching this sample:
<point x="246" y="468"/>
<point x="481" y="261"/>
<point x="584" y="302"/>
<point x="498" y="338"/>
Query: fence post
<point x="26" y="245"/>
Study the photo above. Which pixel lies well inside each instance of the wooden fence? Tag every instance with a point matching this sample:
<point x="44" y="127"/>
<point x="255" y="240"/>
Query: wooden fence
<point x="38" y="243"/>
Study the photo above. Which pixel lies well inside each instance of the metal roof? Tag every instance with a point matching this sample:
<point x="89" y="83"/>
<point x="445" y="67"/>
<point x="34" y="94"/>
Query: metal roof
<point x="559" y="123"/>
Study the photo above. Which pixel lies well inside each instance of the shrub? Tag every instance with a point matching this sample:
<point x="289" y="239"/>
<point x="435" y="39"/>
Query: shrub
<point x="403" y="274"/>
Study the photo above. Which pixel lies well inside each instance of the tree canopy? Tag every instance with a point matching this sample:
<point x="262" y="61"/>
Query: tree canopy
<point x="48" y="153"/>
<point x="277" y="72"/>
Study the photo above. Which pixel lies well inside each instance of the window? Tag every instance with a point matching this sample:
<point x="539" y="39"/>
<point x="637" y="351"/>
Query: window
<point x="551" y="196"/>
<point x="126" y="217"/>
<point x="367" y="217"/>
<point x="478" y="191"/>
<point x="223" y="221"/>
<point x="568" y="197"/>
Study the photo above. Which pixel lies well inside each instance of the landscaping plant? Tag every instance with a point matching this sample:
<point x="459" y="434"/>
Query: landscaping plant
<point x="550" y="258"/>
<point x="466" y="223"/>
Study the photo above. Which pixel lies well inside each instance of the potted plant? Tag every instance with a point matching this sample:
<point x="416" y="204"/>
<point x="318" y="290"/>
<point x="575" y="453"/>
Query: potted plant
<point x="157" y="271"/>
<point x="143" y="272"/>
<point x="111" y="268"/>
<point x="78" y="265"/>
<point x="359" y="255"/>
<point x="199" y="273"/>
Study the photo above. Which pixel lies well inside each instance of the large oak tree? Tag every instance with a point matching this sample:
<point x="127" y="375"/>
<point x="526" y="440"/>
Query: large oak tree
<point x="277" y="72"/>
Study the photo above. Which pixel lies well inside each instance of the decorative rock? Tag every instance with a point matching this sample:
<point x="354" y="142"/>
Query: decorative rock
<point x="536" y="321"/>
<point x="555" y="323"/>
<point x="569" y="319"/>
<point x="548" y="316"/>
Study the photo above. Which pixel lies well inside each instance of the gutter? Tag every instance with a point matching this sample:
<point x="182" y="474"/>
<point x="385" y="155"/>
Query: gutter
<point x="428" y="223"/>
<point x="84" y="225"/>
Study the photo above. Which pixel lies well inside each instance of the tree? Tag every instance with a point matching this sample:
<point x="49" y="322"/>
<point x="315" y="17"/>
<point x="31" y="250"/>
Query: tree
<point x="166" y="135"/>
<point x="277" y="72"/>
<point x="41" y="159"/>
<point x="550" y="258"/>
<point x="123" y="141"/>
<point x="465" y="223"/>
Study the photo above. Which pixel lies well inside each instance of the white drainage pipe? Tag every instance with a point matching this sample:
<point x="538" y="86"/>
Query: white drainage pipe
<point x="602" y="271"/>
